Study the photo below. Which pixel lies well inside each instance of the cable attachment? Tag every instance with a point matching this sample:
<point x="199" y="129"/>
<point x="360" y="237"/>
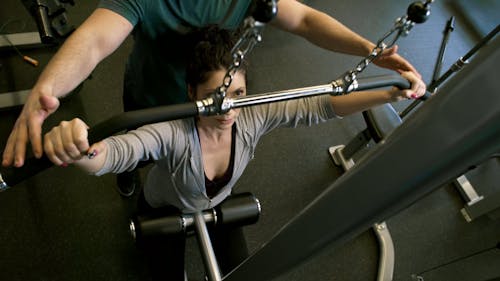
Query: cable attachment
<point x="265" y="10"/>
<point x="417" y="12"/>
<point x="249" y="38"/>
<point x="344" y="85"/>
<point x="211" y="105"/>
<point x="348" y="83"/>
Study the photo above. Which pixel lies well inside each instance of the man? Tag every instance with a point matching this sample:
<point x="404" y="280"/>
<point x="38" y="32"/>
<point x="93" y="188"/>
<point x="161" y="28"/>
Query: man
<point x="155" y="69"/>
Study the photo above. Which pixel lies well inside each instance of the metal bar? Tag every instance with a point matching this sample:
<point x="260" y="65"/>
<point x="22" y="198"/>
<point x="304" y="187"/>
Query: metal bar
<point x="12" y="99"/>
<point x="362" y="84"/>
<point x="453" y="131"/>
<point x="278" y="96"/>
<point x="458" y="65"/>
<point x="134" y="119"/>
<point x="467" y="191"/>
<point x="21" y="40"/>
<point x="450" y="26"/>
<point x="211" y="266"/>
<point x="386" y="256"/>
<point x="386" y="246"/>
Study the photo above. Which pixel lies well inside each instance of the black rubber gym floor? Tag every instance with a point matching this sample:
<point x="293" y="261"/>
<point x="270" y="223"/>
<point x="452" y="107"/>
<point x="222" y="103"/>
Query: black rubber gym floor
<point x="65" y="225"/>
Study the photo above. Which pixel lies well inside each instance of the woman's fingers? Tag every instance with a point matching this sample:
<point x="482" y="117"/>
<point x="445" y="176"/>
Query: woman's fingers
<point x="67" y="142"/>
<point x="48" y="147"/>
<point x="418" y="87"/>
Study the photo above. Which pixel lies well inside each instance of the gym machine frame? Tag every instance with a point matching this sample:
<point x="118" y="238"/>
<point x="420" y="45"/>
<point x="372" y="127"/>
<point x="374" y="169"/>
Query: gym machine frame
<point x="382" y="120"/>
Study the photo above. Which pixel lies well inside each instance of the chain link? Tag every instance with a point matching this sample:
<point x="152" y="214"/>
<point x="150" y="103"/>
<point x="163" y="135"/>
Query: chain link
<point x="250" y="37"/>
<point x="348" y="81"/>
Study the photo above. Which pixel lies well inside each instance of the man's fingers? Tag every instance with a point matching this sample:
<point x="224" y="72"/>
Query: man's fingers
<point x="48" y="105"/>
<point x="19" y="146"/>
<point x="35" y="132"/>
<point x="8" y="153"/>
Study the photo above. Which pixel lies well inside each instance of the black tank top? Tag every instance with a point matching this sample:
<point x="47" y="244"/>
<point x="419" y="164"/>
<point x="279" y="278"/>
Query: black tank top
<point x="213" y="186"/>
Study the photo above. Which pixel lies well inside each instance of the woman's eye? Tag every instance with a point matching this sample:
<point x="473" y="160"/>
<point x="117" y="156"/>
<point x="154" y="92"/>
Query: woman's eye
<point x="239" y="93"/>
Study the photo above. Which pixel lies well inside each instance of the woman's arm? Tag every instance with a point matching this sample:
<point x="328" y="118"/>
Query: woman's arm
<point x="68" y="144"/>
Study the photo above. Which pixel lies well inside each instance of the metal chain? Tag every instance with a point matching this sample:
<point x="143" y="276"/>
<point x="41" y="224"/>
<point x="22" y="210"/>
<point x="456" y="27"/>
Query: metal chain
<point x="348" y="82"/>
<point x="419" y="12"/>
<point x="250" y="37"/>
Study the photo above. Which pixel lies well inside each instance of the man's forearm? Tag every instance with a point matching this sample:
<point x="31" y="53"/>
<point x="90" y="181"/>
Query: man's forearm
<point x="95" y="39"/>
<point x="321" y="29"/>
<point x="68" y="68"/>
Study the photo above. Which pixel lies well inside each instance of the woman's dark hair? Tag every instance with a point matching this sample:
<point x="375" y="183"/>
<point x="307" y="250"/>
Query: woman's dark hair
<point x="211" y="52"/>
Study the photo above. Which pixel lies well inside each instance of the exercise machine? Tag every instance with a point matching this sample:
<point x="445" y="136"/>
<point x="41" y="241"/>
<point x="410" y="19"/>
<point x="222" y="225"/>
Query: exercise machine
<point x="235" y="211"/>
<point x="324" y="217"/>
<point x="382" y="120"/>
<point x="448" y="153"/>
<point x="218" y="103"/>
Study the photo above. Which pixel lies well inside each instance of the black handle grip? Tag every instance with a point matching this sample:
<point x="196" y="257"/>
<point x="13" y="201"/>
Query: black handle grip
<point x="385" y="81"/>
<point x="137" y="118"/>
<point x="382" y="81"/>
<point x="128" y="120"/>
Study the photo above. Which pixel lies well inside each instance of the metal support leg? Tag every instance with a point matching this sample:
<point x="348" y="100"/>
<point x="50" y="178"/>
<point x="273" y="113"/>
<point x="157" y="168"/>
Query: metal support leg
<point x="338" y="157"/>
<point x="477" y="205"/>
<point x="468" y="193"/>
<point x="209" y="259"/>
<point x="467" y="190"/>
<point x="386" y="246"/>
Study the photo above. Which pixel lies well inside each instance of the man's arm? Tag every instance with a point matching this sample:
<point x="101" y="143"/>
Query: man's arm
<point x="328" y="33"/>
<point x="100" y="35"/>
<point x="320" y="29"/>
<point x="95" y="39"/>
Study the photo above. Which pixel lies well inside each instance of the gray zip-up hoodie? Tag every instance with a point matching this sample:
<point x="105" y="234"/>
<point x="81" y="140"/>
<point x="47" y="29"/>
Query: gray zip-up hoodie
<point x="177" y="177"/>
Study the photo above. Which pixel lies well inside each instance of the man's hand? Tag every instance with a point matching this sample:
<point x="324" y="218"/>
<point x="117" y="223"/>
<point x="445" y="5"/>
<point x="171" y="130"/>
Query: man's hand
<point x="28" y="127"/>
<point x="390" y="59"/>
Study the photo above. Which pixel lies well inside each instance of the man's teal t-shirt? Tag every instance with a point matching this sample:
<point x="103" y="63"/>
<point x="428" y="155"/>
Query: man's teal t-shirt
<point x="155" y="71"/>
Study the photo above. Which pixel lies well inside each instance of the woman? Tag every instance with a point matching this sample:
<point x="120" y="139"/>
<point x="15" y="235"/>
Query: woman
<point x="198" y="160"/>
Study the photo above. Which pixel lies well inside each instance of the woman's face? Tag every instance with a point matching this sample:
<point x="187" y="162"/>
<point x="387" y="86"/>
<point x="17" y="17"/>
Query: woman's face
<point x="236" y="89"/>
